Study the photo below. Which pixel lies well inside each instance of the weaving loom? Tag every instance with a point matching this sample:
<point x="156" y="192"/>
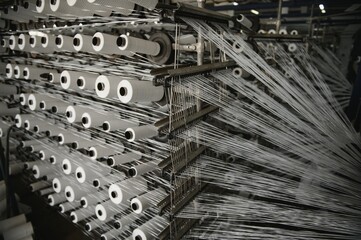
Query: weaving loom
<point x="142" y="120"/>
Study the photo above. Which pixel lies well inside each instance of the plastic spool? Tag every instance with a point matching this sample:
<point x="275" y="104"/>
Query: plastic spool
<point x="93" y="224"/>
<point x="29" y="124"/>
<point x="99" y="41"/>
<point x="15" y="168"/>
<point x="143" y="168"/>
<point x="51" y="176"/>
<point x="54" y="159"/>
<point x="294" y="32"/>
<point x="237" y="47"/>
<point x="74" y="113"/>
<point x="83" y="43"/>
<point x="240" y="73"/>
<point x="31" y="72"/>
<point x="45" y="192"/>
<point x="141" y="203"/>
<point x="35" y="43"/>
<point x="292" y="47"/>
<point x="55" y="199"/>
<point x="29" y="165"/>
<point x="244" y="21"/>
<point x="108" y="179"/>
<point x="106" y="86"/>
<point x="23" y="42"/>
<point x="81" y="214"/>
<point x="100" y="151"/>
<point x="150" y="229"/>
<point x="36" y="148"/>
<point x="4" y="42"/>
<point x="69" y="166"/>
<point x="54" y="77"/>
<point x="42" y="170"/>
<point x="59" y="184"/>
<point x="96" y="9"/>
<point x="83" y="144"/>
<point x="87" y="83"/>
<point x="142" y="132"/>
<point x="48" y="43"/>
<point x="59" y="107"/>
<point x="68" y="206"/>
<point x="10" y="14"/>
<point x="124" y="190"/>
<point x="19" y="232"/>
<point x="45" y="154"/>
<point x="54" y="130"/>
<point x="107" y="210"/>
<point x="64" y="43"/>
<point x="18" y="72"/>
<point x="9" y="70"/>
<point x="138" y="45"/>
<point x="24" y="14"/>
<point x="30" y="6"/>
<point x="123" y="7"/>
<point x="39" y="185"/>
<point x="107" y="44"/>
<point x="42" y="126"/>
<point x="283" y="32"/>
<point x="12" y="222"/>
<point x="43" y="7"/>
<point x="7" y="90"/>
<point x="68" y="79"/>
<point x="139" y="91"/>
<point x="74" y="193"/>
<point x="119" y="124"/>
<point x="124" y="158"/>
<point x="31" y="101"/>
<point x="271" y="31"/>
<point x="112" y="234"/>
<point x="88" y="173"/>
<point x="35" y="99"/>
<point x="28" y="143"/>
<point x="261" y="31"/>
<point x="125" y="221"/>
<point x="47" y="105"/>
<point x="92" y="119"/>
<point x="13" y="43"/>
<point x="60" y="6"/>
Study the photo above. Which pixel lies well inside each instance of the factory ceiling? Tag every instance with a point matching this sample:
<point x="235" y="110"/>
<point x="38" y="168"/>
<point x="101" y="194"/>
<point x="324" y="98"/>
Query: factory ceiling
<point x="332" y="12"/>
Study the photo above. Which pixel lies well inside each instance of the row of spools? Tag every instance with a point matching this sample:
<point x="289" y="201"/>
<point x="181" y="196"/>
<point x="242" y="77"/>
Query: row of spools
<point x="127" y="89"/>
<point x="78" y="171"/>
<point x="101" y="197"/>
<point x="31" y="10"/>
<point x="101" y="43"/>
<point x="57" y="165"/>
